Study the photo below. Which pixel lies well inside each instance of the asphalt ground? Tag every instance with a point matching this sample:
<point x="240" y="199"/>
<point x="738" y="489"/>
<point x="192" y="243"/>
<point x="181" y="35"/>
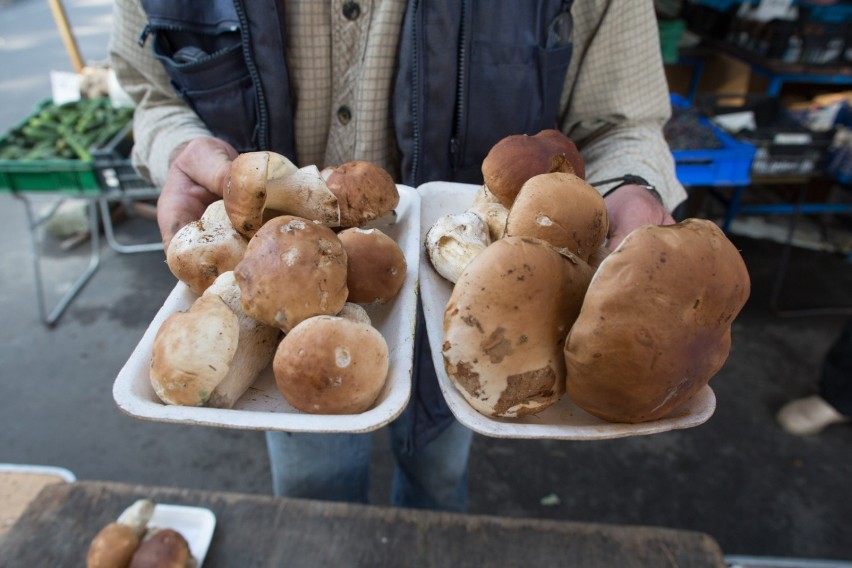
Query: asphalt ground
<point x="752" y="487"/>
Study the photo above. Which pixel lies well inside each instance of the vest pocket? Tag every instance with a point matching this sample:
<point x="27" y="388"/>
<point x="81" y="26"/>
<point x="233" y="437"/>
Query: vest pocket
<point x="210" y="74"/>
<point x="509" y="90"/>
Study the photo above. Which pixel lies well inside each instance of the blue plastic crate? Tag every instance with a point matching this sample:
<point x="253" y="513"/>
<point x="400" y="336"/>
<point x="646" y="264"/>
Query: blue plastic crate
<point x="725" y="166"/>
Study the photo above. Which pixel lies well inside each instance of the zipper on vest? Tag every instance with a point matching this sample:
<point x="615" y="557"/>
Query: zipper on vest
<point x="416" y="133"/>
<point x="461" y="71"/>
<point x="149" y="29"/>
<point x="262" y="110"/>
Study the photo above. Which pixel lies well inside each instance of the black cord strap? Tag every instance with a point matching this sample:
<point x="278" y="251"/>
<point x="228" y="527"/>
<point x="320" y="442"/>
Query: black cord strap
<point x="629" y="179"/>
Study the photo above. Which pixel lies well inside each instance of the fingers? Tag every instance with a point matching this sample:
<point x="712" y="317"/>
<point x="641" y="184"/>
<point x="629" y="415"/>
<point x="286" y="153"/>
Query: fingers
<point x="206" y="161"/>
<point x="631" y="207"/>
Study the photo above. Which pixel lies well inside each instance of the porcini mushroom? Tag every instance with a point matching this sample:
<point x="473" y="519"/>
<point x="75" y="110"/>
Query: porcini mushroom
<point x="331" y="365"/>
<point x="163" y="548"/>
<point x="517" y="158"/>
<point x="364" y="191"/>
<point x="506" y="322"/>
<point x="204" y="249"/>
<point x="116" y="543"/>
<point x="266" y="184"/>
<point x="354" y="312"/>
<point x="193" y="350"/>
<point x="293" y="269"/>
<point x="656" y="322"/>
<point x="255" y="346"/>
<point x="376" y="265"/>
<point x="561" y="209"/>
<point x="454" y="240"/>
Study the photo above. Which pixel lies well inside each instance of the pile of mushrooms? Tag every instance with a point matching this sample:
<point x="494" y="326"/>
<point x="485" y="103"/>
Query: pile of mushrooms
<point x="281" y="266"/>
<point x="541" y="308"/>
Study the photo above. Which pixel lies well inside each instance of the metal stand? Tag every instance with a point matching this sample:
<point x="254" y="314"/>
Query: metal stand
<point x="97" y="205"/>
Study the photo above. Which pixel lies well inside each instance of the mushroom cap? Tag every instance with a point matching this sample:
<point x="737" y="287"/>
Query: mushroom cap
<point x="204" y="249"/>
<point x="364" y="191"/>
<point x="376" y="265"/>
<point x="331" y="365"/>
<point x="454" y="240"/>
<point x="245" y="192"/>
<point x="166" y="548"/>
<point x="293" y="269"/>
<point x="561" y="209"/>
<point x="517" y="158"/>
<point x="192" y="352"/>
<point x="656" y="322"/>
<point x="506" y="322"/>
<point x="112" y="547"/>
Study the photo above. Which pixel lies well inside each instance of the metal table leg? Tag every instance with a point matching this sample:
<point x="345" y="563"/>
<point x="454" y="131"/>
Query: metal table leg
<point x="33" y="223"/>
<point x="110" y="233"/>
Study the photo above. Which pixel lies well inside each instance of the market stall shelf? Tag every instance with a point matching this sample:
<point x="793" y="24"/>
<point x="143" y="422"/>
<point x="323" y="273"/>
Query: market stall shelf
<point x="262" y="407"/>
<point x="564" y="420"/>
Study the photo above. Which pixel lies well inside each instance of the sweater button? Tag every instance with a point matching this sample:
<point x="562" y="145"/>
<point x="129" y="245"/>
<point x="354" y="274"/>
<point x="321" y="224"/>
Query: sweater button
<point x="351" y="10"/>
<point x="344" y="115"/>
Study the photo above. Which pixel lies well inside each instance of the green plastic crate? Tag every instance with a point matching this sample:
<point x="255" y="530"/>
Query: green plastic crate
<point x="65" y="175"/>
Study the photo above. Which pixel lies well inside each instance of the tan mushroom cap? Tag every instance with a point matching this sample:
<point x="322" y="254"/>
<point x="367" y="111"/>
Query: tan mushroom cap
<point x="192" y="352"/>
<point x="515" y="159"/>
<point x="113" y="546"/>
<point x="204" y="249"/>
<point x="331" y="365"/>
<point x="376" y="265"/>
<point x="506" y="322"/>
<point x="364" y="191"/>
<point x="561" y="209"/>
<point x="293" y="269"/>
<point x="656" y="322"/>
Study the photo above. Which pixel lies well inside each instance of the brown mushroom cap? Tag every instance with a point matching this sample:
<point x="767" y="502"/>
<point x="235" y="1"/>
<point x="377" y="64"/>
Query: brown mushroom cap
<point x="506" y="322"/>
<point x="515" y="159"/>
<point x="331" y="365"/>
<point x="112" y="547"/>
<point x="166" y="548"/>
<point x="204" y="249"/>
<point x="293" y="269"/>
<point x="192" y="352"/>
<point x="561" y="209"/>
<point x="656" y="322"/>
<point x="246" y="193"/>
<point x="364" y="191"/>
<point x="376" y="265"/>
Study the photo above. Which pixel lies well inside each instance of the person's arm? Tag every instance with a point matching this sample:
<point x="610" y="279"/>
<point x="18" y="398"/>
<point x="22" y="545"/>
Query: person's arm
<point x="616" y="102"/>
<point x="172" y="147"/>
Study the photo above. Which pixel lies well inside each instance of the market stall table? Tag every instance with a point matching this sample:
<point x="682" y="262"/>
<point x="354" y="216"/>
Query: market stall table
<point x="254" y="530"/>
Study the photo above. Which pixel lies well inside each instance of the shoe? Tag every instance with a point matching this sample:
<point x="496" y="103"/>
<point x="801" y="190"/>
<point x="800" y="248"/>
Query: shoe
<point x="809" y="415"/>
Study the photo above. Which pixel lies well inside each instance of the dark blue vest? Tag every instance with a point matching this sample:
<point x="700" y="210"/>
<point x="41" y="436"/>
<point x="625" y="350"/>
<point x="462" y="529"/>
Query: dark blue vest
<point x="469" y="73"/>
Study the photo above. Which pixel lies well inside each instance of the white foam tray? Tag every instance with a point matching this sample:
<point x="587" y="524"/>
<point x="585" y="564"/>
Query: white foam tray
<point x="562" y="421"/>
<point x="195" y="524"/>
<point x="263" y="407"/>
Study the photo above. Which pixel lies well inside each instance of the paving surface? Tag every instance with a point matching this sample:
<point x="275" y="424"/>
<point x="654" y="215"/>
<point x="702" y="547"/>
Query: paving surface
<point x="755" y="489"/>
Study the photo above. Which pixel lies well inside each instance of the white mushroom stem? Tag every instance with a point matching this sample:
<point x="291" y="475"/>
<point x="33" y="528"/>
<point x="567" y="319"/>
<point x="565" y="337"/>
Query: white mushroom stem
<point x="303" y="193"/>
<point x="137" y="516"/>
<point x="255" y="346"/>
<point x="454" y="240"/>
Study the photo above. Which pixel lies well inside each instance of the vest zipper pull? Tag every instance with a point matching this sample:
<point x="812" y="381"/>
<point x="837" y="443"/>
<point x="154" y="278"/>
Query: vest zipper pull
<point x="146" y="31"/>
<point x="455" y="147"/>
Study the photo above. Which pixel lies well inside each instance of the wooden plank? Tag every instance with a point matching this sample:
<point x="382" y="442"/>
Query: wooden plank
<point x="266" y="531"/>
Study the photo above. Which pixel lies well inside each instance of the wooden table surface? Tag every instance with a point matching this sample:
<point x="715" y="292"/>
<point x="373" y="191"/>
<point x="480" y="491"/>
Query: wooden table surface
<point x="253" y="530"/>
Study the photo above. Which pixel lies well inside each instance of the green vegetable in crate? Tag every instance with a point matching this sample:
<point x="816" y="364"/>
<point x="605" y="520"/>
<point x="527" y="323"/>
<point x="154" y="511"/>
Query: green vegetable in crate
<point x="66" y="131"/>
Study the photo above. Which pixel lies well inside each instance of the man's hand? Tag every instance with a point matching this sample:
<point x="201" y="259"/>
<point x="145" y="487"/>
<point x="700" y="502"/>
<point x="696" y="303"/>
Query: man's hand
<point x="196" y="178"/>
<point x="632" y="206"/>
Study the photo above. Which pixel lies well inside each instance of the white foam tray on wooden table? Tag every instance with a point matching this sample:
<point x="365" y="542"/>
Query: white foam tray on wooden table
<point x="263" y="407"/>
<point x="564" y="420"/>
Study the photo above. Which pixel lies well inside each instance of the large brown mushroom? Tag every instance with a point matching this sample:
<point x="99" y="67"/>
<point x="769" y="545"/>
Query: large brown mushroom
<point x="517" y="158"/>
<point x="117" y="542"/>
<point x="164" y="548"/>
<point x="265" y="184"/>
<point x="293" y="269"/>
<point x="364" y="191"/>
<point x="561" y="209"/>
<point x="506" y="322"/>
<point x="376" y="265"/>
<point x="331" y="365"/>
<point x="656" y="322"/>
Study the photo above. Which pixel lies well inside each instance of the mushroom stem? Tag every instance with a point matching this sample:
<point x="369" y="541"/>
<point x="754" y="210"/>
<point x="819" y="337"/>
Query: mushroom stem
<point x="303" y="193"/>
